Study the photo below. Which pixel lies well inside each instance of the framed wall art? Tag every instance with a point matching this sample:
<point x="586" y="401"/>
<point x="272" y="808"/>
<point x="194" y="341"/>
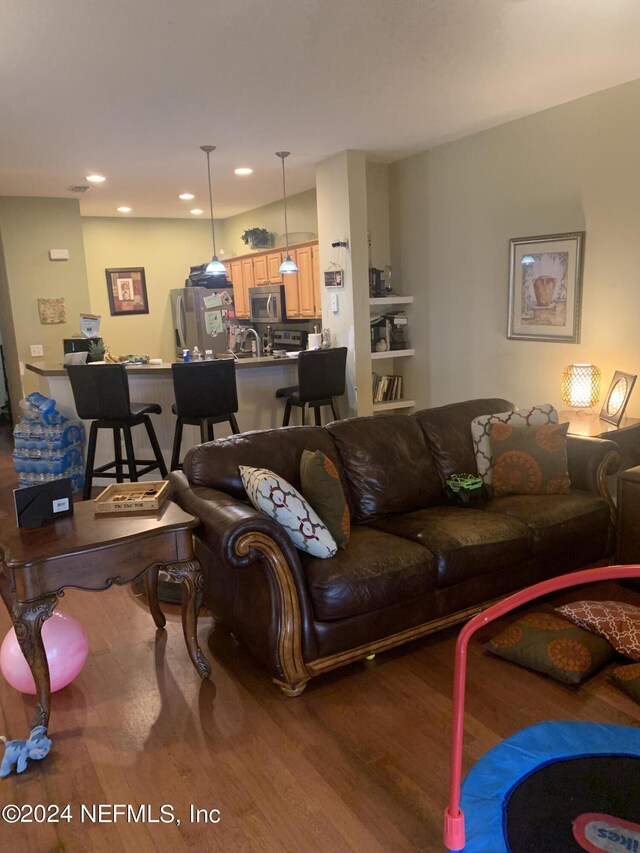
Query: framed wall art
<point x="545" y="287"/>
<point x="617" y="397"/>
<point x="127" y="291"/>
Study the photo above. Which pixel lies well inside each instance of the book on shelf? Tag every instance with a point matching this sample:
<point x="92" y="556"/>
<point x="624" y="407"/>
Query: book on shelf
<point x="386" y="387"/>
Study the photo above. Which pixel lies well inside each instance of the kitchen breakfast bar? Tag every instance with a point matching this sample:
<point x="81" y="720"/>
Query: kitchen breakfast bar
<point x="257" y="381"/>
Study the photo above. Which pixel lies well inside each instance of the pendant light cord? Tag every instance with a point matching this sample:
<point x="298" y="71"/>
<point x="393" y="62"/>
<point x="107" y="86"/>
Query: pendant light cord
<point x="213" y="233"/>
<point x="282" y="155"/>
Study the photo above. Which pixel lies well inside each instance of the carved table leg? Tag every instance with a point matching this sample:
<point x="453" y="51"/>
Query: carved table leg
<point x="28" y="620"/>
<point x="151" y="588"/>
<point x="190" y="573"/>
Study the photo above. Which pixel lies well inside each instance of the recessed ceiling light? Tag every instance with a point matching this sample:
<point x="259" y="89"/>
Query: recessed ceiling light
<point x="124" y="210"/>
<point x="196" y="211"/>
<point x="96" y="179"/>
<point x="243" y="170"/>
<point x="186" y="196"/>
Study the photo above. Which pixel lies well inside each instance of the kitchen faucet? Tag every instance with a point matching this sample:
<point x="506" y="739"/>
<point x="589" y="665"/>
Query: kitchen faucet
<point x="258" y="341"/>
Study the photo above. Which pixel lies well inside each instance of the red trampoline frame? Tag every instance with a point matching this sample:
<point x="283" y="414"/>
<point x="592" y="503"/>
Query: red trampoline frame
<point x="454" y="832"/>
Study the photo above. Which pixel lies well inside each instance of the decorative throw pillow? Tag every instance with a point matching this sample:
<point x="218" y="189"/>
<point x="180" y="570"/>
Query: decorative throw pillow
<point x="543" y="414"/>
<point x="617" y="622"/>
<point x="278" y="499"/>
<point x="545" y="643"/>
<point x="322" y="488"/>
<point x="628" y="678"/>
<point x="529" y="460"/>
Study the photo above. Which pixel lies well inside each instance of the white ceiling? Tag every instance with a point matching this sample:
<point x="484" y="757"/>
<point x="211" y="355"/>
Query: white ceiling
<point x="132" y="88"/>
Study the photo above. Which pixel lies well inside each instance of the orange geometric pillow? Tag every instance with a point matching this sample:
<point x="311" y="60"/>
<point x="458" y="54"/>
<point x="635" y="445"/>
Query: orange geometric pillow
<point x="529" y="460"/>
<point x="617" y="622"/>
<point x="628" y="678"/>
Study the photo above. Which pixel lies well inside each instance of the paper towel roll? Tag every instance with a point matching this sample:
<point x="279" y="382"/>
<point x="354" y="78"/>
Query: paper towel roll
<point x="315" y="340"/>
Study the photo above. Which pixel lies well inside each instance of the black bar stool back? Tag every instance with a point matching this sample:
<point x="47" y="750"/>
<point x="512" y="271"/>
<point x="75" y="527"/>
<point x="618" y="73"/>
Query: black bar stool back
<point x="101" y="395"/>
<point x="206" y="394"/>
<point x="321" y="378"/>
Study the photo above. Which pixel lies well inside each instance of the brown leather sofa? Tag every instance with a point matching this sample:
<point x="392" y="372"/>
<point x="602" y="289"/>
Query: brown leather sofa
<point x="413" y="564"/>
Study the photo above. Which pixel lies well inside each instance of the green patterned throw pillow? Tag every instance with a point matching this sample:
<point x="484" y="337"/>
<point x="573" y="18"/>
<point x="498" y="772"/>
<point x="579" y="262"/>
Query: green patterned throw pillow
<point x="546" y="643"/>
<point x="530" y="460"/>
<point x="321" y="486"/>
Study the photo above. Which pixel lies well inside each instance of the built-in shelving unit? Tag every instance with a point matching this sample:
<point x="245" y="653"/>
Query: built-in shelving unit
<point x="393" y="353"/>
<point x="387" y="303"/>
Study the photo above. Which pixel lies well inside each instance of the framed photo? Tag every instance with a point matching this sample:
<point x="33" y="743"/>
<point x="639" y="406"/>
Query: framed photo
<point x="617" y="397"/>
<point x="545" y="287"/>
<point x="127" y="291"/>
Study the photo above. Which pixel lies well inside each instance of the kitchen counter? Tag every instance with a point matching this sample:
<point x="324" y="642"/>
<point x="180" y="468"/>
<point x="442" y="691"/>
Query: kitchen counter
<point x="257" y="379"/>
<point x="43" y="369"/>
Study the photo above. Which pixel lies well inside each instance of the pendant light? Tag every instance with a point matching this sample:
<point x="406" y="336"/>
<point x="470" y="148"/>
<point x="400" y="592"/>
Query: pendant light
<point x="287" y="266"/>
<point x="214" y="267"/>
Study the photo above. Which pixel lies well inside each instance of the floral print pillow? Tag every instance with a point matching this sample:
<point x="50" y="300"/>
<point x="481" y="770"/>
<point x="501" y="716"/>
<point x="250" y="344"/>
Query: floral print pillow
<point x="278" y="499"/>
<point x="530" y="460"/>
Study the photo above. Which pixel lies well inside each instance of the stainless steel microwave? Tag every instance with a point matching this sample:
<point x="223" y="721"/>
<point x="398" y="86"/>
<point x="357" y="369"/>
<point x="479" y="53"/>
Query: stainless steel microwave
<point x="266" y="304"/>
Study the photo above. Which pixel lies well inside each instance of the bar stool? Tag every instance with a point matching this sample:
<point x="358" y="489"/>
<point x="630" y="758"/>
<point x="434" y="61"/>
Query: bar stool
<point x="101" y="395"/>
<point x="206" y="394"/>
<point x="321" y="378"/>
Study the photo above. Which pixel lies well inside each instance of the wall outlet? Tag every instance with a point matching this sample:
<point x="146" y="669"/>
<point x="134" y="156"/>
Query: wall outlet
<point x="37" y="350"/>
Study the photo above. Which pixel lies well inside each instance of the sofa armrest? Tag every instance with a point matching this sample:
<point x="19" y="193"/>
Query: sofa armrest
<point x="591" y="461"/>
<point x="239" y="535"/>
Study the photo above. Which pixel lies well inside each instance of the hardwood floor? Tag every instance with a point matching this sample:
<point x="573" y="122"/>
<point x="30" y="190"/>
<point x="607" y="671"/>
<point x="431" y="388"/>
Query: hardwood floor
<point x="359" y="762"/>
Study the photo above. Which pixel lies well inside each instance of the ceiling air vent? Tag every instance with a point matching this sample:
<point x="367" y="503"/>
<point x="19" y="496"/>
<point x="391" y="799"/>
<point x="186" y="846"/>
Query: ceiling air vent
<point x="82" y="188"/>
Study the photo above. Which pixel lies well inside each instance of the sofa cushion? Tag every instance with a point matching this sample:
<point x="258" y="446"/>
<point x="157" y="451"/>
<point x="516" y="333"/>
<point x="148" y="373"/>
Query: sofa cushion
<point x="559" y="521"/>
<point x="321" y="486"/>
<point x="374" y="572"/>
<point x="530" y="460"/>
<point x="278" y="499"/>
<point x="388" y="465"/>
<point x="216" y="464"/>
<point x="464" y="543"/>
<point x="481" y="428"/>
<point x="448" y="432"/>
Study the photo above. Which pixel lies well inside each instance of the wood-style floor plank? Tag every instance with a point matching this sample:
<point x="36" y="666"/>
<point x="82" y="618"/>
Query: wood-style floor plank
<point x="359" y="762"/>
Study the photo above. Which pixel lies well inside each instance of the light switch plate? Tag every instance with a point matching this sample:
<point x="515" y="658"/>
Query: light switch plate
<point x="58" y="254"/>
<point x="334" y="303"/>
<point x="37" y="350"/>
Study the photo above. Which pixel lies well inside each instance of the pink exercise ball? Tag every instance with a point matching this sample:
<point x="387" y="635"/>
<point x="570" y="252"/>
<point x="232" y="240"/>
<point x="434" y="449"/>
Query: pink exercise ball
<point x="66" y="646"/>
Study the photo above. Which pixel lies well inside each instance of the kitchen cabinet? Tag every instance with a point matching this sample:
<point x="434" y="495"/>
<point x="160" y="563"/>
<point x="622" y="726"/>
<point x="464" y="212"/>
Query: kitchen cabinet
<point x="306" y="297"/>
<point x="260" y="270"/>
<point x="318" y="280"/>
<point x="240" y="295"/>
<point x="274" y="259"/>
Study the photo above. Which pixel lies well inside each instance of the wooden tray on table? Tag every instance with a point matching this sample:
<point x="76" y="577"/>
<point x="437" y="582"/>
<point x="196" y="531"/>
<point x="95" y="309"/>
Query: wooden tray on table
<point x="145" y="496"/>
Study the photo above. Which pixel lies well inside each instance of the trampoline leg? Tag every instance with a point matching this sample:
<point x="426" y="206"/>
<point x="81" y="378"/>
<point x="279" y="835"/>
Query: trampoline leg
<point x="454" y="830"/>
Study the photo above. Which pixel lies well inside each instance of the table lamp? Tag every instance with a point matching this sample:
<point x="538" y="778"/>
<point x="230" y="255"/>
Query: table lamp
<point x="581" y="385"/>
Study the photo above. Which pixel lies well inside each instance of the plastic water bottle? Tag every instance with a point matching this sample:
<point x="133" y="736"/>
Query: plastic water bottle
<point x="186" y="355"/>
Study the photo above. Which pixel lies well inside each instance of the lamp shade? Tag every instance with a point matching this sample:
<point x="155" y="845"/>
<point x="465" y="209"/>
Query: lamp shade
<point x="581" y="385"/>
<point x="287" y="266"/>
<point x="216" y="267"/>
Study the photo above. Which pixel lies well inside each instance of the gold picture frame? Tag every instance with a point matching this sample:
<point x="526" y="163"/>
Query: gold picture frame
<point x="617" y="397"/>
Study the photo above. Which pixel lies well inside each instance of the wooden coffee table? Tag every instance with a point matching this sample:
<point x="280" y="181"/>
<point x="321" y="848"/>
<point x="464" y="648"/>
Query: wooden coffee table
<point x="93" y="552"/>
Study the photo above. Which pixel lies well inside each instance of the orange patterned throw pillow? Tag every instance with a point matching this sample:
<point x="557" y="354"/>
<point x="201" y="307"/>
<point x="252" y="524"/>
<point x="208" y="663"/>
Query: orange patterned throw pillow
<point x="529" y="460"/>
<point x="628" y="678"/>
<point x="617" y="622"/>
<point x="545" y="643"/>
<point x="321" y="486"/>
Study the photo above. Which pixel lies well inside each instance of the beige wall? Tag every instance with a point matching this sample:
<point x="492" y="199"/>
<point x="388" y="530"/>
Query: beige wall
<point x="302" y="217"/>
<point x="166" y="248"/>
<point x="453" y="211"/>
<point x="29" y="227"/>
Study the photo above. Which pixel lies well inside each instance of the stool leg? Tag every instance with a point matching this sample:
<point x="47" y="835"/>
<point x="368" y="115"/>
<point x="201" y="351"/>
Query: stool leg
<point x="316" y="409"/>
<point x="156" y="447"/>
<point x="287" y="412"/>
<point x="334" y="409"/>
<point x="304" y="413"/>
<point x="131" y="459"/>
<point x="234" y="424"/>
<point x="117" y="454"/>
<point x="177" y="441"/>
<point x="91" y="455"/>
<point x="205" y="431"/>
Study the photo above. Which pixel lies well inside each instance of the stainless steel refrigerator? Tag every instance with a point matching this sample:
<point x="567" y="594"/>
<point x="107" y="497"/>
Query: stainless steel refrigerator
<point x="201" y="318"/>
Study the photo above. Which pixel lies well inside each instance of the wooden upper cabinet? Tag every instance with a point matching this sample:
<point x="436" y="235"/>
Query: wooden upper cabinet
<point x="304" y="261"/>
<point x="318" y="280"/>
<point x="228" y="273"/>
<point x="291" y="293"/>
<point x="260" y="271"/>
<point x="274" y="259"/>
<point x="240" y="299"/>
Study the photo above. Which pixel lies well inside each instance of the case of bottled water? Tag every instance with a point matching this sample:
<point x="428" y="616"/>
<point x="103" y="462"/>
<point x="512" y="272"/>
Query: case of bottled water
<point x="47" y="445"/>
